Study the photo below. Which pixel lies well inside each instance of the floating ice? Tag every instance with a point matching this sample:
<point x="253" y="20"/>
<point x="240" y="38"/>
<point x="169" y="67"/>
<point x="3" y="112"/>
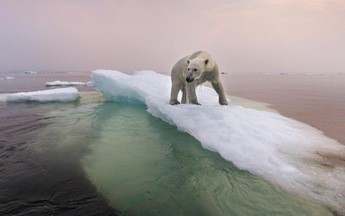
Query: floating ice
<point x="6" y="78"/>
<point x="30" y="72"/>
<point x="52" y="95"/>
<point x="282" y="150"/>
<point x="65" y="83"/>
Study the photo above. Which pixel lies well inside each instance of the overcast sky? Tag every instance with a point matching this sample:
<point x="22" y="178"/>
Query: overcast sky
<point x="129" y="35"/>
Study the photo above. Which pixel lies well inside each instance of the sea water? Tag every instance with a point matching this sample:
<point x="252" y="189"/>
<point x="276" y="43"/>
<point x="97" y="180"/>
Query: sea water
<point x="90" y="156"/>
<point x="85" y="156"/>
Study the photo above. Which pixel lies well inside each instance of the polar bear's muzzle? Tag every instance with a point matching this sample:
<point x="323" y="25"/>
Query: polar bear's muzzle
<point x="189" y="79"/>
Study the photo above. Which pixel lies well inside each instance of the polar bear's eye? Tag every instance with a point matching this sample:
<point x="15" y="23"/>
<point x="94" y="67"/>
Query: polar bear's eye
<point x="188" y="69"/>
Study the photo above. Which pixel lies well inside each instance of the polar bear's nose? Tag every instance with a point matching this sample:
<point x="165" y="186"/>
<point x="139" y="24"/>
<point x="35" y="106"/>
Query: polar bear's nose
<point x="188" y="79"/>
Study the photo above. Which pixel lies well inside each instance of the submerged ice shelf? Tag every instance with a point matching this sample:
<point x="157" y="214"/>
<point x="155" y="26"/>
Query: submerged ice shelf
<point x="281" y="150"/>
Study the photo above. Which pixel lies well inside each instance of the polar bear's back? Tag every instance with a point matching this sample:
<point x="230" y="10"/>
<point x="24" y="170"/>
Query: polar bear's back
<point x="205" y="55"/>
<point x="200" y="54"/>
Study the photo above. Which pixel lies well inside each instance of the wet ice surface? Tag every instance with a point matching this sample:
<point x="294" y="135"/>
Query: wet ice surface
<point x="283" y="151"/>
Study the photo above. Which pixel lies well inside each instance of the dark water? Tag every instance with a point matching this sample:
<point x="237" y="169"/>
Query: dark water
<point x="41" y="183"/>
<point x="90" y="158"/>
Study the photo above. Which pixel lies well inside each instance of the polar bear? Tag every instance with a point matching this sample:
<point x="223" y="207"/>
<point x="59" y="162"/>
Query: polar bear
<point x="191" y="71"/>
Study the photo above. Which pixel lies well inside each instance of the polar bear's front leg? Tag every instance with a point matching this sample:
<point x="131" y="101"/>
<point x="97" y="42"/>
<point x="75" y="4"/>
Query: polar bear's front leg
<point x="184" y="95"/>
<point x="175" y="89"/>
<point x="191" y="93"/>
<point x="217" y="85"/>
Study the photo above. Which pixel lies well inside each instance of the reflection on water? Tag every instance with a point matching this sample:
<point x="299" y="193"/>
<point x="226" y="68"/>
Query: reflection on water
<point x="79" y="158"/>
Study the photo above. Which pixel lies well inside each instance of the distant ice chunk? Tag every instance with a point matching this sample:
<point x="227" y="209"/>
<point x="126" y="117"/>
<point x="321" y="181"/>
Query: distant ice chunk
<point x="65" y="83"/>
<point x="6" y="78"/>
<point x="30" y="72"/>
<point x="282" y="150"/>
<point x="53" y="95"/>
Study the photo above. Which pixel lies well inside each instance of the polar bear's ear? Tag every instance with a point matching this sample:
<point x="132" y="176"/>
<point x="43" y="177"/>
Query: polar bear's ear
<point x="206" y="61"/>
<point x="188" y="61"/>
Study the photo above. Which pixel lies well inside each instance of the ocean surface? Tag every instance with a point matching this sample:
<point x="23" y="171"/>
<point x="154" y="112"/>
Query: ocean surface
<point x="93" y="157"/>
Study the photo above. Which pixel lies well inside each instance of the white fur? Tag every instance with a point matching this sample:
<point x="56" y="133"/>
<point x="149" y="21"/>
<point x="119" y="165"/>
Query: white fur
<point x="191" y="71"/>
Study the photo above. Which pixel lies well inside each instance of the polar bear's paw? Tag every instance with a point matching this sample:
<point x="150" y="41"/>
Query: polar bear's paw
<point x="174" y="102"/>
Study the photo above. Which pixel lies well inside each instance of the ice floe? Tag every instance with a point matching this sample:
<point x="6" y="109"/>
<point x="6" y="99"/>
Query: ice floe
<point x="282" y="150"/>
<point x="6" y="78"/>
<point x="53" y="95"/>
<point x="65" y="83"/>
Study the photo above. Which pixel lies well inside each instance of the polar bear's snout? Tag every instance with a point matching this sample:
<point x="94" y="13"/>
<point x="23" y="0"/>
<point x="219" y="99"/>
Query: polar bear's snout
<point x="193" y="75"/>
<point x="189" y="79"/>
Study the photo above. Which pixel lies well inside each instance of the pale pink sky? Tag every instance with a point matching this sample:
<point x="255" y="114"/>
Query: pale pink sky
<point x="129" y="35"/>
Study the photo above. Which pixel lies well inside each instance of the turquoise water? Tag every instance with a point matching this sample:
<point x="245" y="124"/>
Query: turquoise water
<point x="144" y="166"/>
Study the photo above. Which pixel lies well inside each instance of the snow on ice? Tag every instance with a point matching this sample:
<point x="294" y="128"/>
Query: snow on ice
<point x="53" y="95"/>
<point x="65" y="83"/>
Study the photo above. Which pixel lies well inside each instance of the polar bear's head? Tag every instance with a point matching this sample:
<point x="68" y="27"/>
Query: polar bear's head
<point x="195" y="68"/>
